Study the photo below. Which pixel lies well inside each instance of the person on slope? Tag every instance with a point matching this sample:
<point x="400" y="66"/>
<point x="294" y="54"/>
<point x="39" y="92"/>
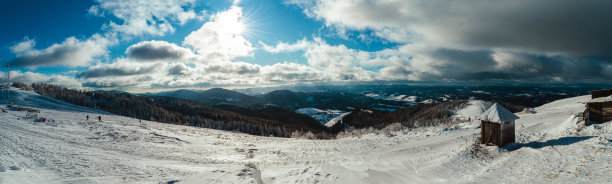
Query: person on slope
<point x="100" y="118"/>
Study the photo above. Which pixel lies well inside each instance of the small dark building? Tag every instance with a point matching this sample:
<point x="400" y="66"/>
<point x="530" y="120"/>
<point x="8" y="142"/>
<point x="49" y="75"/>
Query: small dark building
<point x="599" y="108"/>
<point x="497" y="126"/>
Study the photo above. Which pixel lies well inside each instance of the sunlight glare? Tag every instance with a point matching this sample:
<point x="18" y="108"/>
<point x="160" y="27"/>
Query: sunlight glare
<point x="232" y="21"/>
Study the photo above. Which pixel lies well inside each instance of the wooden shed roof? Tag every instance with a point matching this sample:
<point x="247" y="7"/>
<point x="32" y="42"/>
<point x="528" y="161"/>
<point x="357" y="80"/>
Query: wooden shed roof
<point x="497" y="114"/>
<point x="600" y="99"/>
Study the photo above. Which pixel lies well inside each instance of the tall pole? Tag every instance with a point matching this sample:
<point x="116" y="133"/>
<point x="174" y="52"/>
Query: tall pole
<point x="8" y="80"/>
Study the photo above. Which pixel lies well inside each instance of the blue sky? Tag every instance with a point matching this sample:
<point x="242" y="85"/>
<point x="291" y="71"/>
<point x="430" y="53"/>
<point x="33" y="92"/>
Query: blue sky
<point x="148" y="45"/>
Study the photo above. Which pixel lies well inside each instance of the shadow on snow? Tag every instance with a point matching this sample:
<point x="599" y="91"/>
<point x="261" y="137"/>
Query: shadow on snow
<point x="563" y="141"/>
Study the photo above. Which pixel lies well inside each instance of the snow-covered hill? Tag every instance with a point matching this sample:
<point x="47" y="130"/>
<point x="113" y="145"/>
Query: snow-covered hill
<point x="473" y="110"/>
<point x="69" y="149"/>
<point x="322" y="116"/>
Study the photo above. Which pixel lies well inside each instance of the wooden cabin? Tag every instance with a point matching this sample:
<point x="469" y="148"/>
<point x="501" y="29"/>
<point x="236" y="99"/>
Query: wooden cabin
<point x="599" y="108"/>
<point x="497" y="126"/>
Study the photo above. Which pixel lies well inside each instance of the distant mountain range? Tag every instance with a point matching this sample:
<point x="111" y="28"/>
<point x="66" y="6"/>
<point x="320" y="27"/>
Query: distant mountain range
<point x="281" y="98"/>
<point x="274" y="113"/>
<point x="268" y="121"/>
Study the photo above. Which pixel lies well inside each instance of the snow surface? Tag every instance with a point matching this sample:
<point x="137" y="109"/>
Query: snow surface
<point x="322" y="116"/>
<point x="69" y="149"/>
<point x="401" y="98"/>
<point x="498" y="114"/>
<point x="428" y="101"/>
<point x="473" y="110"/>
<point x="393" y="97"/>
<point x="336" y="120"/>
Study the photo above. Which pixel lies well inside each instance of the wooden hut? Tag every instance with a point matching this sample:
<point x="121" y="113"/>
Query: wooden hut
<point x="599" y="108"/>
<point x="497" y="126"/>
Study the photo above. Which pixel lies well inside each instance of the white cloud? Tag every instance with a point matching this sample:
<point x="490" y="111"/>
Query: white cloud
<point x="95" y="11"/>
<point x="221" y="39"/>
<point x="290" y="73"/>
<point x="548" y="40"/>
<point x="145" y="17"/>
<point x="287" y="47"/>
<point x="337" y="62"/>
<point x="23" y="46"/>
<point x="31" y="77"/>
<point x="551" y="27"/>
<point x="183" y="17"/>
<point x="72" y="52"/>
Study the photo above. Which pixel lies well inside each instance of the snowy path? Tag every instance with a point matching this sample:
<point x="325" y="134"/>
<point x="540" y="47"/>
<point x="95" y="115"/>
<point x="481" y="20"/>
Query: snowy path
<point x="70" y="149"/>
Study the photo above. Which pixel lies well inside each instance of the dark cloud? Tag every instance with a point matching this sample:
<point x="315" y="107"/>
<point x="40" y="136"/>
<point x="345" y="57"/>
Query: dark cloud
<point x="565" y="27"/>
<point x="117" y="70"/>
<point x="290" y="72"/>
<point x="517" y="40"/>
<point x="179" y="69"/>
<point x="157" y="51"/>
<point x="72" y="52"/>
<point x="109" y="84"/>
<point x="234" y="68"/>
<point x="172" y="84"/>
<point x="449" y="64"/>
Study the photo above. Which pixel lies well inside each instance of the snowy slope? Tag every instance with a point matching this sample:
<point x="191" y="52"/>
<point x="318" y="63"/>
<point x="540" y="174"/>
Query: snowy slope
<point x="473" y="110"/>
<point x="322" y="116"/>
<point x="336" y="120"/>
<point x="70" y="149"/>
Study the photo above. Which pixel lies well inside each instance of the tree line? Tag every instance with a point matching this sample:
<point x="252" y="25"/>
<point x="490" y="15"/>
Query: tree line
<point x="174" y="111"/>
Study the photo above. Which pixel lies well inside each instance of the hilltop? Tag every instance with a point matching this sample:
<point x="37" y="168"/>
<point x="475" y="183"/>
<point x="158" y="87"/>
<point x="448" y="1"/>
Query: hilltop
<point x="68" y="148"/>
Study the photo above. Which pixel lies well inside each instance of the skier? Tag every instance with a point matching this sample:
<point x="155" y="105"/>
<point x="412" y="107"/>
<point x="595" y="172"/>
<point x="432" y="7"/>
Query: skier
<point x="100" y="118"/>
<point x="88" y="117"/>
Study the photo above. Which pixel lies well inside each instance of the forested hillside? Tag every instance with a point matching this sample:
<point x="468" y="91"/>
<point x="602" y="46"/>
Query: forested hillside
<point x="268" y="121"/>
<point x="178" y="111"/>
<point x="413" y="116"/>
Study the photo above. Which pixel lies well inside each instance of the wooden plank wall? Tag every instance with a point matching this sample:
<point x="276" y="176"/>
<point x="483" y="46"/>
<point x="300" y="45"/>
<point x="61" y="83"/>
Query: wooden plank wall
<point x="606" y="112"/>
<point x="508" y="133"/>
<point x="600" y="112"/>
<point x="491" y="133"/>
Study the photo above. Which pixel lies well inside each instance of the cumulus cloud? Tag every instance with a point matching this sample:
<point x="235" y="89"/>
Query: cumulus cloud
<point x="221" y="39"/>
<point x="337" y="62"/>
<point x="577" y="28"/>
<point x="123" y="74"/>
<point x="157" y="51"/>
<point x="547" y="40"/>
<point x="72" y="52"/>
<point x="414" y="62"/>
<point x="180" y="69"/>
<point x="232" y="68"/>
<point x="23" y="46"/>
<point x="115" y="83"/>
<point x="287" y="47"/>
<point x="32" y="77"/>
<point x="290" y="72"/>
<point x="145" y="17"/>
<point x="121" y="68"/>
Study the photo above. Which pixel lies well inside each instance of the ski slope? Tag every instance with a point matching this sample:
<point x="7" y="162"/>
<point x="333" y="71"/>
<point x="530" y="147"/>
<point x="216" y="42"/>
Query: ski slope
<point x="70" y="149"/>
